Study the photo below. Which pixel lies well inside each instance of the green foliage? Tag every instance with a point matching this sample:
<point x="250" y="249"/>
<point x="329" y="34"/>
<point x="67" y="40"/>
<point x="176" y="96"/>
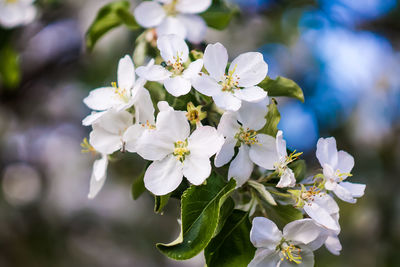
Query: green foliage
<point x="138" y="185"/>
<point x="260" y="188"/>
<point x="160" y="202"/>
<point x="224" y="213"/>
<point x="282" y="86"/>
<point x="232" y="246"/>
<point x="299" y="168"/>
<point x="283" y="214"/>
<point x="109" y="17"/>
<point x="219" y="15"/>
<point x="273" y="117"/>
<point x="10" y="73"/>
<point x="200" y="215"/>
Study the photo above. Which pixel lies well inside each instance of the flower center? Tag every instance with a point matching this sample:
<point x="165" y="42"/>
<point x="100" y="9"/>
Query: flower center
<point x="194" y="114"/>
<point x="290" y="252"/>
<point x="181" y="150"/>
<point x="281" y="166"/>
<point x="230" y="81"/>
<point x="148" y="125"/>
<point x="176" y="67"/>
<point x="248" y="136"/>
<point x="121" y="93"/>
<point x="170" y="8"/>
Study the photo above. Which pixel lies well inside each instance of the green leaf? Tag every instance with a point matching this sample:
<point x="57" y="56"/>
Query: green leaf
<point x="273" y="117"/>
<point x="260" y="188"/>
<point x="138" y="185"/>
<point x="232" y="246"/>
<point x="109" y="17"/>
<point x="160" y="202"/>
<point x="9" y="67"/>
<point x="282" y="86"/>
<point x="299" y="168"/>
<point x="200" y="213"/>
<point x="283" y="214"/>
<point x="219" y="15"/>
<point x="224" y="213"/>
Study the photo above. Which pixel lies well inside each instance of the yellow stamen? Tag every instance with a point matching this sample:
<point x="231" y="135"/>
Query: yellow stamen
<point x="148" y="125"/>
<point x="248" y="136"/>
<point x="121" y="93"/>
<point x="231" y="81"/>
<point x="86" y="147"/>
<point x="290" y="252"/>
<point x="170" y="8"/>
<point x="181" y="150"/>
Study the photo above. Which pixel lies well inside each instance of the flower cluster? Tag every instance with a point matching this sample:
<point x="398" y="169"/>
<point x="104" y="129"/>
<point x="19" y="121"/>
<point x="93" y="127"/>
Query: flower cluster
<point x="228" y="127"/>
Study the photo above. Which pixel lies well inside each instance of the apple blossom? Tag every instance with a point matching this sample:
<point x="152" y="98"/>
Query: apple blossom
<point x="14" y="13"/>
<point x="99" y="175"/>
<point x="176" y="153"/>
<point x="291" y="247"/>
<point x="337" y="166"/>
<point x="176" y="77"/>
<point x="174" y="17"/>
<point x="229" y="89"/>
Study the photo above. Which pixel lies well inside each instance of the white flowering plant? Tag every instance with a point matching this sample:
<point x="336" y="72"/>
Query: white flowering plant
<point x="209" y="131"/>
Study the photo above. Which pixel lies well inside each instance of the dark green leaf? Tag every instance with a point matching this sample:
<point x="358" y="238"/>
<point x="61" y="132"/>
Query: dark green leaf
<point x="138" y="185"/>
<point x="273" y="117"/>
<point x="160" y="202"/>
<point x="299" y="168"/>
<point x="219" y="15"/>
<point x="283" y="214"/>
<point x="110" y="16"/>
<point x="224" y="213"/>
<point x="232" y="246"/>
<point x="260" y="188"/>
<point x="9" y="67"/>
<point x="282" y="86"/>
<point x="200" y="214"/>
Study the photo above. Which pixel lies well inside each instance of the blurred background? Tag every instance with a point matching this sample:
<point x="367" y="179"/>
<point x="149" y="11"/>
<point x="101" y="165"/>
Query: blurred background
<point x="343" y="53"/>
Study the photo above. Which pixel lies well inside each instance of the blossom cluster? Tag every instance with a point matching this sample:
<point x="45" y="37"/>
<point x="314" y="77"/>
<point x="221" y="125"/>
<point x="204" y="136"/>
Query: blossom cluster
<point x="191" y="143"/>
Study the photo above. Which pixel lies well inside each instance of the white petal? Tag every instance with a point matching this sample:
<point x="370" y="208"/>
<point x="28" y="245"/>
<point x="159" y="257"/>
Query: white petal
<point x="327" y="202"/>
<point x="153" y="73"/>
<point x="226" y="153"/>
<point x="304" y="231"/>
<point x="196" y="168"/>
<point x="132" y="136"/>
<point x="287" y="179"/>
<point x="228" y="125"/>
<point x="250" y="68"/>
<point x="102" y="98"/>
<point x="99" y="175"/>
<point x="172" y="25"/>
<point x="265" y="258"/>
<point x="251" y="94"/>
<point x="173" y="124"/>
<point x="193" y="69"/>
<point x="206" y="85"/>
<point x="327" y="152"/>
<point x="205" y="141"/>
<point x="92" y="118"/>
<point x="264" y="153"/>
<point x="177" y="86"/>
<point x="164" y="106"/>
<point x="345" y="162"/>
<point x="164" y="176"/>
<point x="357" y="190"/>
<point x="149" y="14"/>
<point x="321" y="216"/>
<point x="104" y="141"/>
<point x="281" y="145"/>
<point x="227" y="101"/>
<point x="332" y="244"/>
<point x="331" y="178"/>
<point x="196" y="27"/>
<point x="114" y="122"/>
<point x="241" y="166"/>
<point x="171" y="47"/>
<point x="215" y="60"/>
<point x="264" y="233"/>
<point x="192" y="6"/>
<point x="252" y="115"/>
<point x="126" y="73"/>
<point x="154" y="145"/>
<point x="344" y="194"/>
<point x="144" y="109"/>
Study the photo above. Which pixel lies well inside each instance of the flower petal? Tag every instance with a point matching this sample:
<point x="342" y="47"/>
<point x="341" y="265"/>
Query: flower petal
<point x="345" y="162"/>
<point x="264" y="233"/>
<point x="226" y="153"/>
<point x="344" y="194"/>
<point x="228" y="125"/>
<point x="327" y="152"/>
<point x="177" y="86"/>
<point x="357" y="190"/>
<point x="196" y="168"/>
<point x="153" y="73"/>
<point x="215" y="60"/>
<point x="241" y="166"/>
<point x="205" y="141"/>
<point x="115" y="122"/>
<point x="92" y="118"/>
<point x="154" y="145"/>
<point x="206" y="85"/>
<point x="149" y="14"/>
<point x="126" y="73"/>
<point x="99" y="175"/>
<point x="304" y="231"/>
<point x="104" y="141"/>
<point x="265" y="258"/>
<point x="193" y="69"/>
<point x="281" y="145"/>
<point x="144" y="109"/>
<point x="332" y="243"/>
<point x="163" y="176"/>
<point x="132" y="136"/>
<point x="102" y="98"/>
<point x="287" y="179"/>
<point x="321" y="216"/>
<point x="196" y="27"/>
<point x="251" y="94"/>
<point x="171" y="47"/>
<point x="252" y="115"/>
<point x="173" y="124"/>
<point x="227" y="101"/>
<point x="250" y="67"/>
<point x="192" y="6"/>
<point x="172" y="26"/>
<point x="264" y="153"/>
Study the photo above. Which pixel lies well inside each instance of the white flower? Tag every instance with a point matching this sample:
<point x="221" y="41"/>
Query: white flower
<point x="99" y="175"/>
<point x="228" y="89"/>
<point x="174" y="17"/>
<point x="176" y="78"/>
<point x="337" y="166"/>
<point x="292" y="247"/>
<point x="108" y="131"/>
<point x="176" y="153"/>
<point x="14" y="13"/>
<point x="254" y="147"/>
<point x="119" y="96"/>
